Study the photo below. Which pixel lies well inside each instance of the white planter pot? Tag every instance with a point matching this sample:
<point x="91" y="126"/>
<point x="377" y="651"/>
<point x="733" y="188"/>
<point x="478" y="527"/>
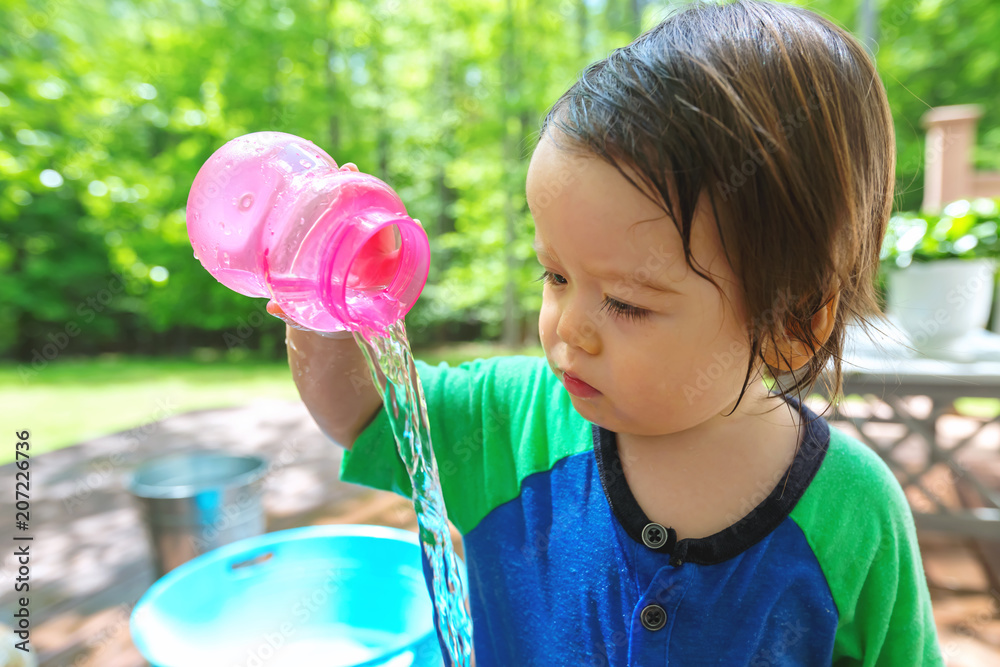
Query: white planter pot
<point x="939" y="302"/>
<point x="996" y="308"/>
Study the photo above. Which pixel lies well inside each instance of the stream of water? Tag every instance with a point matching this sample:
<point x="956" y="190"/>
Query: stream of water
<point x="403" y="400"/>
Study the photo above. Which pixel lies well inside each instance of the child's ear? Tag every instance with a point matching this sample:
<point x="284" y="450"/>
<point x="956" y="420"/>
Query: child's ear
<point x="794" y="354"/>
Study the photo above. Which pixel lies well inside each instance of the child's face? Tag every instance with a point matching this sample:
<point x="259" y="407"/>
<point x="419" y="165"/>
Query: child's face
<point x="658" y="361"/>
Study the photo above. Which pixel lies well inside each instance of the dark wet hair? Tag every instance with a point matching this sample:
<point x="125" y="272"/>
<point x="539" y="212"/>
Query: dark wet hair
<point x="779" y="115"/>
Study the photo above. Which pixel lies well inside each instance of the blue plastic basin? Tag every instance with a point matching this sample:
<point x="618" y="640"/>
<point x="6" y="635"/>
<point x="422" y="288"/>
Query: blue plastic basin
<point x="323" y="596"/>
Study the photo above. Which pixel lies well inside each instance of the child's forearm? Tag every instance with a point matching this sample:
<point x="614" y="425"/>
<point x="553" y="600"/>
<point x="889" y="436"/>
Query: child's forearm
<point x="334" y="383"/>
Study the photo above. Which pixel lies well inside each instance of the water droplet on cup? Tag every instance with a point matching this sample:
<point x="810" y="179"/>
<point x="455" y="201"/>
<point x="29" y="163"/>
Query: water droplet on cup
<point x="246" y="201"/>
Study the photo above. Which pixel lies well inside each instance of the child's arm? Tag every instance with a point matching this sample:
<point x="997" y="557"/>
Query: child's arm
<point x="333" y="380"/>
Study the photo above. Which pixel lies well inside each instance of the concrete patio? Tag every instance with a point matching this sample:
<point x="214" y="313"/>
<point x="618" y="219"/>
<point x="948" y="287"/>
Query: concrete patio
<point x="91" y="563"/>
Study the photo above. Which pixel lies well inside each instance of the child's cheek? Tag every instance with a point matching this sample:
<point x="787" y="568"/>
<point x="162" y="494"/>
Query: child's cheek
<point x="547" y="321"/>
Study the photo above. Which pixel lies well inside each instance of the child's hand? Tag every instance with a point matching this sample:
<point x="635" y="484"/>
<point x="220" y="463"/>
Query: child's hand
<point x="274" y="309"/>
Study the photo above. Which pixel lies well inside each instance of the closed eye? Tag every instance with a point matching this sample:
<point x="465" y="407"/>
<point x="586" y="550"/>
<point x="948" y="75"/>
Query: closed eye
<point x="624" y="310"/>
<point x="614" y="306"/>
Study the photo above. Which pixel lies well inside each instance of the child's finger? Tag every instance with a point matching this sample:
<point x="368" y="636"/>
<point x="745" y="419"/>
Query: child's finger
<point x="274" y="309"/>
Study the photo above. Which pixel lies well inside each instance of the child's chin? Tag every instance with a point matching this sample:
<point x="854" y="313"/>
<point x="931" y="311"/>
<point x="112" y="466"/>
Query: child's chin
<point x="587" y="409"/>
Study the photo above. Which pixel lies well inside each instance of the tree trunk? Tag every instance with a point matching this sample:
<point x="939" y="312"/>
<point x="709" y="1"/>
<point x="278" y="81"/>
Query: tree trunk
<point x="511" y="322"/>
<point x="637" y="7"/>
<point x="382" y="134"/>
<point x="22" y="324"/>
<point x="447" y="196"/>
<point x="868" y="26"/>
<point x="331" y="86"/>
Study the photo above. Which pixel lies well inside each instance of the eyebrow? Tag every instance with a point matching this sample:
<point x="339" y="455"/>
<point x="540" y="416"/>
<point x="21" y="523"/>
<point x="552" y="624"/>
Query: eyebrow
<point x="645" y="284"/>
<point x="542" y="249"/>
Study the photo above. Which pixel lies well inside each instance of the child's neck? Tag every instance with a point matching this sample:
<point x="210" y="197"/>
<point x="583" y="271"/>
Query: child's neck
<point x="702" y="481"/>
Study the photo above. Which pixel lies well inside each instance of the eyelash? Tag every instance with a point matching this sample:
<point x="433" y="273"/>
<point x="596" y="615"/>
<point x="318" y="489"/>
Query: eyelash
<point x="615" y="307"/>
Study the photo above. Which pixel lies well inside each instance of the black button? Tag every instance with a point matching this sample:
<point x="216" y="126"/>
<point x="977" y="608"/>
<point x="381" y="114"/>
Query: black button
<point x="653" y="617"/>
<point x="654" y="535"/>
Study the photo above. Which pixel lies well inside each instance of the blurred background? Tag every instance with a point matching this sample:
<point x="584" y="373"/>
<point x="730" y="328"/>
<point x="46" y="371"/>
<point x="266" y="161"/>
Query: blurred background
<point x="108" y="109"/>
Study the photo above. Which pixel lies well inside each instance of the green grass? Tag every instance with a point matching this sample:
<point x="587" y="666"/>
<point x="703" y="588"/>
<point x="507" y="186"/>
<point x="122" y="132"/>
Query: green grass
<point x="981" y="408"/>
<point x="75" y="400"/>
<point x="72" y="400"/>
<point x="456" y="354"/>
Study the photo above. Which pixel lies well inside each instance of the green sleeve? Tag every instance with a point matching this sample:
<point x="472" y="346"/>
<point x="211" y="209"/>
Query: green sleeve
<point x="856" y="519"/>
<point x="492" y="423"/>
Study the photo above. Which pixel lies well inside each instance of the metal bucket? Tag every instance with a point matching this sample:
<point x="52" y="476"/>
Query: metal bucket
<point x="194" y="502"/>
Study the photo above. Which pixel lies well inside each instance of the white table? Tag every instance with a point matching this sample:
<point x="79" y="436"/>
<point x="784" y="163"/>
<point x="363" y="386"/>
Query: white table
<point x="890" y="374"/>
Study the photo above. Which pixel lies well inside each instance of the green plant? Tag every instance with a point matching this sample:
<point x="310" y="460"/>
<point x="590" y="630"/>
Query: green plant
<point x="964" y="230"/>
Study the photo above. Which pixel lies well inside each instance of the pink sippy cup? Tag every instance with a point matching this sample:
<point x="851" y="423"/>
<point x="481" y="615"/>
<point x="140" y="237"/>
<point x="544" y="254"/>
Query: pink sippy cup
<point x="271" y="215"/>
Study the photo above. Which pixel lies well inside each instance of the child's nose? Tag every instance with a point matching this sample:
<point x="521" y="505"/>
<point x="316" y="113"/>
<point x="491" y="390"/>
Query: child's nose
<point x="577" y="328"/>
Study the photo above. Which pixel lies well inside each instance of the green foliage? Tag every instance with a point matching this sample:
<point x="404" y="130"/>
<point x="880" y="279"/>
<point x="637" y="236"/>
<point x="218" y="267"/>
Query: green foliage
<point x="931" y="53"/>
<point x="964" y="230"/>
<point x="108" y="108"/>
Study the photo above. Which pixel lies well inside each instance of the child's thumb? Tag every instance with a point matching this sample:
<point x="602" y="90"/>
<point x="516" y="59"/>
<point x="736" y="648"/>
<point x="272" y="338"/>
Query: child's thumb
<point x="276" y="310"/>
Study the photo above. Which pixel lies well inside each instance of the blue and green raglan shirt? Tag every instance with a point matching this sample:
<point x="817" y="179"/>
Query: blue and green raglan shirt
<point x="565" y="569"/>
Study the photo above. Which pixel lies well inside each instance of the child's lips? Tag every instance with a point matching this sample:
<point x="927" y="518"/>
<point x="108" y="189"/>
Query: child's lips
<point x="578" y="387"/>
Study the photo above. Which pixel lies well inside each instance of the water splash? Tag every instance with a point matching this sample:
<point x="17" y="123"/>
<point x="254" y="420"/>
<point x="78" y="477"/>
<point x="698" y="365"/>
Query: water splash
<point x="403" y="398"/>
